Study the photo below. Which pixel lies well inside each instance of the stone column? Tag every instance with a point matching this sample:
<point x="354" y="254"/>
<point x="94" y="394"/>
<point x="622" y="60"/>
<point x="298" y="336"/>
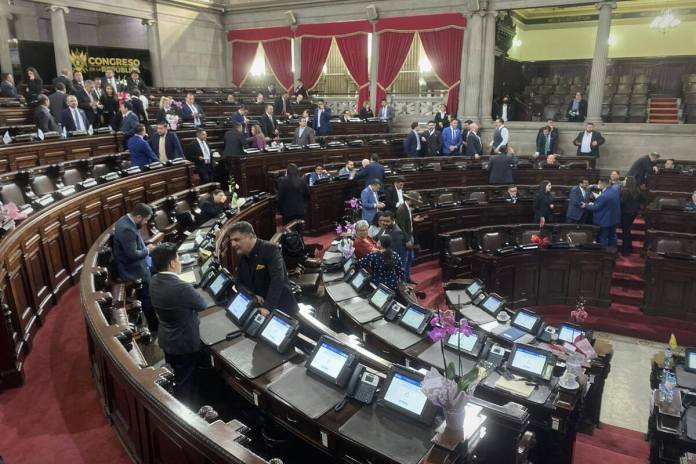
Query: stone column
<point x="488" y="75"/>
<point x="297" y="57"/>
<point x="473" y="67"/>
<point x="228" y="61"/>
<point x="61" y="46"/>
<point x="374" y="66"/>
<point x="599" y="61"/>
<point x="155" y="56"/>
<point x="5" y="58"/>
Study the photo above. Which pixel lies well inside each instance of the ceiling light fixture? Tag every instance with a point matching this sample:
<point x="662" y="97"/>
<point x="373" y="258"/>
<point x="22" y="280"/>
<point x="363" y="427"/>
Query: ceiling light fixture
<point x="665" y="21"/>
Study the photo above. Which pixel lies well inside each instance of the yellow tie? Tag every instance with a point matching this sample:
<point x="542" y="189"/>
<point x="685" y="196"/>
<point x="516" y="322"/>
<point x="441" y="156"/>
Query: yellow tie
<point x="162" y="150"/>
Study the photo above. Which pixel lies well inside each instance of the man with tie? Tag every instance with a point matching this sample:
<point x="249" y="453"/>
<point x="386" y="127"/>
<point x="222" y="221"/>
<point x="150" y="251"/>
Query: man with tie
<point x="386" y="113"/>
<point x="370" y="201"/>
<point x="322" y="119"/>
<point x="304" y="135"/>
<point x="589" y="141"/>
<point x="501" y="137"/>
<point x="474" y="146"/>
<point x="299" y="89"/>
<point x="129" y="121"/>
<point x="86" y="102"/>
<point x="405" y="220"/>
<point x="239" y="116"/>
<point x="269" y="126"/>
<point x="199" y="154"/>
<point x="511" y="196"/>
<point x="281" y="105"/>
<point x="166" y="144"/>
<point x="606" y="212"/>
<point x="190" y="111"/>
<point x="578" y="195"/>
<point x="140" y="151"/>
<point x="73" y="118"/>
<point x="394" y="194"/>
<point x="44" y="119"/>
<point x="431" y="140"/>
<point x="110" y="79"/>
<point x="451" y="139"/>
<point x="412" y="143"/>
<point x="546" y="142"/>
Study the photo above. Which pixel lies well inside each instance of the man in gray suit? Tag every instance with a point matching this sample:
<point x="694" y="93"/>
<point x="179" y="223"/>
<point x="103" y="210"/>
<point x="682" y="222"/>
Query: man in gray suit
<point x="386" y="113"/>
<point x="304" y="135"/>
<point x="44" y="120"/>
<point x="177" y="305"/>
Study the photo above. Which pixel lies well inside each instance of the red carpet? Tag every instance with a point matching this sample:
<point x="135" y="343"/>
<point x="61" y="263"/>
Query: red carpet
<point x="56" y="417"/>
<point x="611" y="445"/>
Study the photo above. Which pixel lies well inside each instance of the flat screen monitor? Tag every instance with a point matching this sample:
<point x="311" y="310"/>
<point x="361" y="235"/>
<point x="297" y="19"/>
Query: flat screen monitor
<point x="381" y="297"/>
<point x="690" y="360"/>
<point x="279" y="331"/>
<point x="531" y="362"/>
<point x="403" y="392"/>
<point x="415" y="318"/>
<point x="360" y="280"/>
<point x="331" y="361"/>
<point x="348" y="265"/>
<point x="469" y="344"/>
<point x="240" y="307"/>
<point x="527" y="320"/>
<point x="474" y="288"/>
<point x="493" y="304"/>
<point x="205" y="267"/>
<point x="569" y="332"/>
<point x="219" y="284"/>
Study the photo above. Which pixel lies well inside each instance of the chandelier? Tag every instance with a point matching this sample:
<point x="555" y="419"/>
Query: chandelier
<point x="665" y="22"/>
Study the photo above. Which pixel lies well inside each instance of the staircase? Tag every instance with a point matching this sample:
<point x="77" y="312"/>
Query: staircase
<point x="663" y="110"/>
<point x="627" y="284"/>
<point x="611" y="445"/>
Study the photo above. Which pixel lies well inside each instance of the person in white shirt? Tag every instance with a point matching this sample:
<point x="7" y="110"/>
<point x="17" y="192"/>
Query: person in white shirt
<point x="501" y="138"/>
<point x="589" y="141"/>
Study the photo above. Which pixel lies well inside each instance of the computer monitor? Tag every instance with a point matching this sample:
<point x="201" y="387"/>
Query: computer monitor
<point x="332" y="361"/>
<point x="415" y="318"/>
<point x="219" y="284"/>
<point x="402" y="392"/>
<point x="207" y="264"/>
<point x="569" y="332"/>
<point x="360" y="280"/>
<point x="381" y="297"/>
<point x="348" y="265"/>
<point x="531" y="362"/>
<point x="474" y="288"/>
<point x="468" y="344"/>
<point x="279" y="331"/>
<point x="492" y="304"/>
<point x="527" y="321"/>
<point x="241" y="306"/>
<point x="690" y="360"/>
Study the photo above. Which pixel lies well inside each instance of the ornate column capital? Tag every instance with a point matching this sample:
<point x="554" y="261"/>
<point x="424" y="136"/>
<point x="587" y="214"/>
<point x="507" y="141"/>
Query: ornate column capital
<point x="55" y="8"/>
<point x="606" y="4"/>
<point x="148" y="22"/>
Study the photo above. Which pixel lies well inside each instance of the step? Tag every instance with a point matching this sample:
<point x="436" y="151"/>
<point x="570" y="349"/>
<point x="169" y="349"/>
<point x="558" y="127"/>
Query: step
<point x="623" y="309"/>
<point x="628" y="296"/>
<point x="620" y="441"/>
<point x="586" y="453"/>
<point x="626" y="280"/>
<point x="663" y="100"/>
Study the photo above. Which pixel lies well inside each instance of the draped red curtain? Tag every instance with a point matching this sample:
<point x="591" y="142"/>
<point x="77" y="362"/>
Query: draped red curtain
<point x="354" y="53"/>
<point x="444" y="50"/>
<point x="279" y="55"/>
<point x="314" y="51"/>
<point x="243" y="54"/>
<point x="393" y="48"/>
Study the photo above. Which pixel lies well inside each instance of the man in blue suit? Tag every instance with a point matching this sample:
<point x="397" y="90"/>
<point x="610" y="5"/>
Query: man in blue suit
<point x="412" y="146"/>
<point x="130" y="255"/>
<point x="190" y="111"/>
<point x="322" y="119"/>
<point x="578" y="195"/>
<point x="140" y="151"/>
<point x="129" y="121"/>
<point x="371" y="170"/>
<point x="166" y="144"/>
<point x="370" y="201"/>
<point x="73" y="118"/>
<point x="451" y="139"/>
<point x="606" y="212"/>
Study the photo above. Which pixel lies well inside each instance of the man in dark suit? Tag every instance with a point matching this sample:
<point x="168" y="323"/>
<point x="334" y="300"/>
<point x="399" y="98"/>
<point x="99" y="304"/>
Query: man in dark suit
<point x="269" y="126"/>
<point x="65" y="80"/>
<point x="578" y="195"/>
<point x="431" y="141"/>
<point x="322" y="119"/>
<point x="474" y="146"/>
<point x="412" y="145"/>
<point x="240" y="117"/>
<point x="78" y="81"/>
<point x="140" y="152"/>
<point x="386" y="113"/>
<point x="606" y="212"/>
<point x="177" y="305"/>
<point x="304" y="135"/>
<point x="500" y="169"/>
<point x="165" y="143"/>
<point x="138" y="107"/>
<point x="643" y="167"/>
<point x="371" y="170"/>
<point x="405" y="220"/>
<point x="213" y="206"/>
<point x="199" y="154"/>
<point x="299" y="89"/>
<point x="281" y="105"/>
<point x="546" y="142"/>
<point x="109" y="79"/>
<point x="7" y="86"/>
<point x="511" y="195"/>
<point x="129" y="121"/>
<point x="552" y="124"/>
<point x="86" y="103"/>
<point x="504" y="109"/>
<point x="387" y="225"/>
<point x="44" y="119"/>
<point x="190" y="111"/>
<point x="234" y="141"/>
<point x="589" y="141"/>
<point x="130" y="256"/>
<point x="261" y="269"/>
<point x="73" y="118"/>
<point x="58" y="101"/>
<point x="134" y="82"/>
<point x="577" y="109"/>
<point x="394" y="194"/>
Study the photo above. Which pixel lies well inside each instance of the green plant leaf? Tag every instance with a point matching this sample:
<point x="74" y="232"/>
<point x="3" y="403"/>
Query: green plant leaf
<point x="451" y="372"/>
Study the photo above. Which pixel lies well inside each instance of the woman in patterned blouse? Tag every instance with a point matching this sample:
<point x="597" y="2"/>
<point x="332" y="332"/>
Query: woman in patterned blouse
<point x="384" y="264"/>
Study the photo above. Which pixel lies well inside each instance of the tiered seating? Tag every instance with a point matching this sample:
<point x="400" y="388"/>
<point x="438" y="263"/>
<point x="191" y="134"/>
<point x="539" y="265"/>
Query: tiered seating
<point x="548" y="97"/>
<point x="625" y="98"/>
<point x="689" y="91"/>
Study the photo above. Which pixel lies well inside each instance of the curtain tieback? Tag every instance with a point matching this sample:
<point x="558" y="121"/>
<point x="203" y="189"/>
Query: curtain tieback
<point x="453" y="86"/>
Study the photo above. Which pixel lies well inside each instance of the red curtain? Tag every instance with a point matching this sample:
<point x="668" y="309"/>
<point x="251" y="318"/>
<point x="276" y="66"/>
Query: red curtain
<point x="243" y="54"/>
<point x="393" y="48"/>
<point x="314" y="52"/>
<point x="353" y="49"/>
<point x="258" y="35"/>
<point x="279" y="55"/>
<point x="444" y="50"/>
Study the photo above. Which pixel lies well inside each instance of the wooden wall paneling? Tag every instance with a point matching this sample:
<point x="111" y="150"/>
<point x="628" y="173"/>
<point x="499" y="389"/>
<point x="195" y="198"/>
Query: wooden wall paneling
<point x="24" y="161"/>
<point x="156" y="190"/>
<point x="19" y="298"/>
<point x="526" y="284"/>
<point x="555" y="278"/>
<point x="73" y="238"/>
<point x="134" y="195"/>
<point x="114" y="208"/>
<point x="80" y="153"/>
<point x="53" y="156"/>
<point x="122" y="411"/>
<point x="35" y="264"/>
<point x="178" y="183"/>
<point x="10" y="340"/>
<point x="92" y="219"/>
<point x="57" y="267"/>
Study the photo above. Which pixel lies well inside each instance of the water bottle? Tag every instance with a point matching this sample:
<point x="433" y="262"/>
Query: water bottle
<point x="668" y="359"/>
<point x="670" y="385"/>
<point x="663" y="386"/>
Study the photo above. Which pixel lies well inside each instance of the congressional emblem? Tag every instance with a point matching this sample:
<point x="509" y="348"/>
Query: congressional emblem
<point x="78" y="59"/>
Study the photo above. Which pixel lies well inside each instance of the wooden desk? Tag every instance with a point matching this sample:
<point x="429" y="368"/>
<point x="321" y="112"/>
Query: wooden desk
<point x="670" y="220"/>
<point x="340" y="128"/>
<point x="670" y="287"/>
<point x="672" y="181"/>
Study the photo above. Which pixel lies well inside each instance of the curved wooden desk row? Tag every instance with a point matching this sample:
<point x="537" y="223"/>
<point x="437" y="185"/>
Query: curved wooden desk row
<point x="210" y="108"/>
<point x="673" y="181"/>
<point x="43" y="256"/>
<point x="666" y="211"/>
<point x="554" y="419"/>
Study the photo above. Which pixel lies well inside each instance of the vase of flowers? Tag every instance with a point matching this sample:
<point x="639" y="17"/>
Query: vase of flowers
<point x="452" y="390"/>
<point x="353" y="208"/>
<point x="346" y="232"/>
<point x="579" y="314"/>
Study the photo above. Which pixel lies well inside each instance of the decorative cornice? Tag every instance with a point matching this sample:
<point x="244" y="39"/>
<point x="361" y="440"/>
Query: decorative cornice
<point x="148" y="22"/>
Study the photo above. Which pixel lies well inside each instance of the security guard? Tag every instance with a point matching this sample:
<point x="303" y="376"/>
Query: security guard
<point x="261" y="269"/>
